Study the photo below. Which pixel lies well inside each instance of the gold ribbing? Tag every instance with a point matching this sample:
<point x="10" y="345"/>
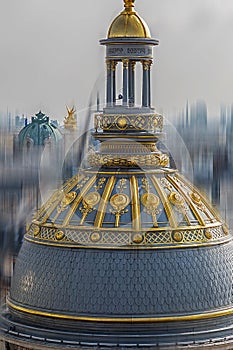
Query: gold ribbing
<point x="177" y="318"/>
<point x="66" y="188"/>
<point x="166" y="204"/>
<point x="78" y="200"/>
<point x="208" y="206"/>
<point x="135" y="203"/>
<point x="104" y="202"/>
<point x="193" y="208"/>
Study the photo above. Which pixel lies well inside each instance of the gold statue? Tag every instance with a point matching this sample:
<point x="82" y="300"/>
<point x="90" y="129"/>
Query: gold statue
<point x="70" y="121"/>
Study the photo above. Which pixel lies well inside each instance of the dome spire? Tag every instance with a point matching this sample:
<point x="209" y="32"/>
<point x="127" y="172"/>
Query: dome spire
<point x="129" y="5"/>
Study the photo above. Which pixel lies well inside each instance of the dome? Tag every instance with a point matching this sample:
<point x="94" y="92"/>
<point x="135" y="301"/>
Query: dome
<point x="127" y="254"/>
<point x="128" y="24"/>
<point x="39" y="131"/>
<point x="123" y="249"/>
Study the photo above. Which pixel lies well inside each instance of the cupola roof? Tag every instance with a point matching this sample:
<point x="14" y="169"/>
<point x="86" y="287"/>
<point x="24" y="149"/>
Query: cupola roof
<point x="39" y="131"/>
<point x="128" y="24"/>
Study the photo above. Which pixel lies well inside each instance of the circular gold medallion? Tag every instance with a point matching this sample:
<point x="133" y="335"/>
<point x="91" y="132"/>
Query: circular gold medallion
<point x="195" y="197"/>
<point x="177" y="236"/>
<point x="122" y="123"/>
<point x="176" y="198"/>
<point x="95" y="236"/>
<point x="68" y="198"/>
<point x="150" y="200"/>
<point x="137" y="238"/>
<point x="119" y="201"/>
<point x="92" y="198"/>
<point x="59" y="235"/>
<point x="208" y="234"/>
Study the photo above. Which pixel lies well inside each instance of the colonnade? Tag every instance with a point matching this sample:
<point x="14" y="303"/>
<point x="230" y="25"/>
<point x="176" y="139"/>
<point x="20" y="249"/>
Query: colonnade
<point x="128" y="91"/>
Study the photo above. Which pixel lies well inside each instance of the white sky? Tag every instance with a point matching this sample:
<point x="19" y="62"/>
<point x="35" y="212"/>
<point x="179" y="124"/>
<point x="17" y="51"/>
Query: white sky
<point x="50" y="55"/>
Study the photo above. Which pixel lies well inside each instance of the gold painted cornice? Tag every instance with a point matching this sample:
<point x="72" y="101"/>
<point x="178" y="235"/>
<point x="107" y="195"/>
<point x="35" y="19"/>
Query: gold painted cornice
<point x="119" y="319"/>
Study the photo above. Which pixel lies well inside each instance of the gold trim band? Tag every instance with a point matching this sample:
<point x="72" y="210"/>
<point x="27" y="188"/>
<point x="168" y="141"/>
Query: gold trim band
<point x="131" y="247"/>
<point x="190" y="317"/>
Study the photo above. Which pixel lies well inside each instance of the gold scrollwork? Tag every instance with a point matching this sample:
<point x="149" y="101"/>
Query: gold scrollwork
<point x="197" y="200"/>
<point x="178" y="201"/>
<point x="119" y="202"/>
<point x="126" y="160"/>
<point x="89" y="202"/>
<point x="67" y="199"/>
<point x="150" y="122"/>
<point x="151" y="202"/>
<point x="82" y="183"/>
<point x="100" y="183"/>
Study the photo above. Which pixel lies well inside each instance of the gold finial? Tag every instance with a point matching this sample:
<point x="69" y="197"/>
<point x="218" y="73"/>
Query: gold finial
<point x="70" y="120"/>
<point x="129" y="5"/>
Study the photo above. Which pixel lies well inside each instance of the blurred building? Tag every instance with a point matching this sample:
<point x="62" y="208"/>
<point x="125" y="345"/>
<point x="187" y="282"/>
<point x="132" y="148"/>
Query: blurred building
<point x="23" y="145"/>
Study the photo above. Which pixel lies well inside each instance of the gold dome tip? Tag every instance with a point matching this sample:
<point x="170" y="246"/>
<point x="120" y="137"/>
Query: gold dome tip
<point x="129" y="5"/>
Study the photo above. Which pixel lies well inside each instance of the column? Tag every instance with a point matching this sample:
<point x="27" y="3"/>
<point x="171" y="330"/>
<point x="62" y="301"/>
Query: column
<point x="125" y="81"/>
<point x="131" y="83"/>
<point x="114" y="64"/>
<point x="145" y="84"/>
<point x="109" y="83"/>
<point x="149" y="83"/>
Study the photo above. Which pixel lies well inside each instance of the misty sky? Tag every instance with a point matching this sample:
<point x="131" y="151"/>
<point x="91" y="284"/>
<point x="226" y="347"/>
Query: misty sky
<point x="50" y="55"/>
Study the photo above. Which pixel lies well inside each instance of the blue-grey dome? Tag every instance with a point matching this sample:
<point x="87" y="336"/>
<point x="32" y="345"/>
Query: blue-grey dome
<point x="39" y="131"/>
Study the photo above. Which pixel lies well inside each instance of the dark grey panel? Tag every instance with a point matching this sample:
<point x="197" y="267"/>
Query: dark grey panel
<point x="123" y="282"/>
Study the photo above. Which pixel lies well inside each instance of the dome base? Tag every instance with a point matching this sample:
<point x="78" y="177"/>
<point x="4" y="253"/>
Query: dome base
<point x="21" y="336"/>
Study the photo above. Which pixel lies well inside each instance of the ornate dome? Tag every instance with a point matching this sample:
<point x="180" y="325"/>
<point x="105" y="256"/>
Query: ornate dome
<point x="127" y="254"/>
<point x="39" y="131"/>
<point x="128" y="24"/>
<point x="144" y="209"/>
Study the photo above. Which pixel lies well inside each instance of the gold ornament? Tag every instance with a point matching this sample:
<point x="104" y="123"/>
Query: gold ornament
<point x="95" y="236"/>
<point x="150" y="200"/>
<point x="67" y="199"/>
<point x="92" y="198"/>
<point x="208" y="234"/>
<point x="70" y="121"/>
<point x="176" y="198"/>
<point x="122" y="123"/>
<point x="225" y="229"/>
<point x="88" y="202"/>
<point x="59" y="235"/>
<point x="177" y="236"/>
<point x="195" y="197"/>
<point x="36" y="231"/>
<point x="119" y="202"/>
<point x="138" y="238"/>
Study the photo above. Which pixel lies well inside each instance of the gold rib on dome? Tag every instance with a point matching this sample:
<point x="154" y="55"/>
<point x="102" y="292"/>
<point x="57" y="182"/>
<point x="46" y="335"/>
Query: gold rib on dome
<point x="128" y="24"/>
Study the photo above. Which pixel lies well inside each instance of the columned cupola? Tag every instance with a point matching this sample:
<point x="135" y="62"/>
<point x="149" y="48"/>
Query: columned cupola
<point x="129" y="43"/>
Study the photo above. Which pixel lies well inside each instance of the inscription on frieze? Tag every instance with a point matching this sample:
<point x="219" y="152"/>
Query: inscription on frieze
<point x="133" y="51"/>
